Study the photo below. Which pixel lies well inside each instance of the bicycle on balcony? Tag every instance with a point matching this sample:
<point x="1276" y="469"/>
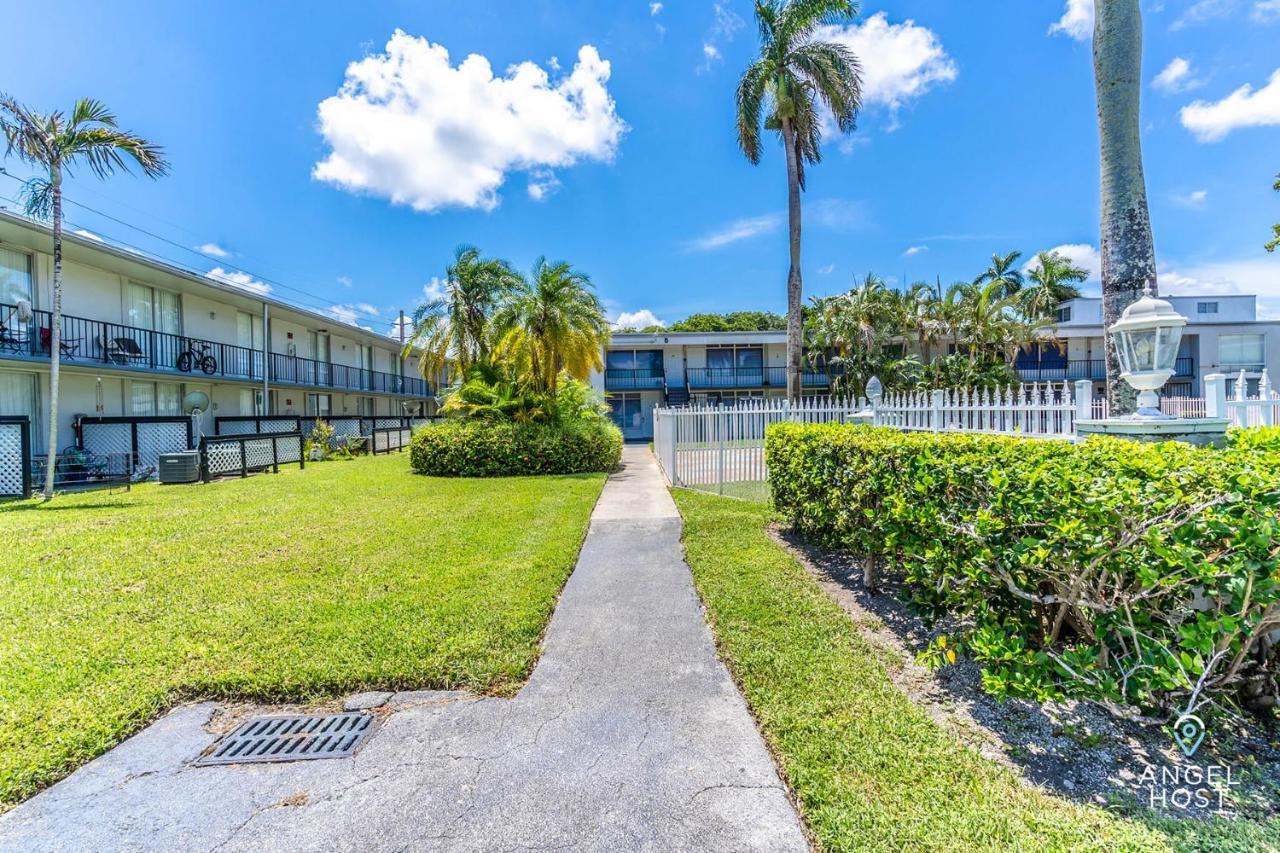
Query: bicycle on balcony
<point x="197" y="354"/>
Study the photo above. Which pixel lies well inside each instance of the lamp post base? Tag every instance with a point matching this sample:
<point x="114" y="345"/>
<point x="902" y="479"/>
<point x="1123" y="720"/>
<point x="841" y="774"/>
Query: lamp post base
<point x="1197" y="431"/>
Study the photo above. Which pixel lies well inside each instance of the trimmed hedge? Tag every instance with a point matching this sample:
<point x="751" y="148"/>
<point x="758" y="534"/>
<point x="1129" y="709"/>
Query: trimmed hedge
<point x="486" y="448"/>
<point x="1142" y="576"/>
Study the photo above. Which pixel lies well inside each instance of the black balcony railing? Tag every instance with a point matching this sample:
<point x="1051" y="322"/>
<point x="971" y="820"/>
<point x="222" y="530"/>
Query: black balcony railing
<point x="87" y="341"/>
<point x="1085" y="368"/>
<point x="626" y="379"/>
<point x="751" y="377"/>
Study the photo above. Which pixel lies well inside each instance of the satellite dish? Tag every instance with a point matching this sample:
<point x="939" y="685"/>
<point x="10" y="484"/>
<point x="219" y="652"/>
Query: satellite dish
<point x="194" y="402"/>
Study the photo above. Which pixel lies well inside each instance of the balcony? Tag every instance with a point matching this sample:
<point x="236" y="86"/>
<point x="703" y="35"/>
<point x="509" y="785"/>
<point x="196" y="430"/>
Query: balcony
<point x="94" y="342"/>
<point x="1085" y="368"/>
<point x="702" y="378"/>
<point x="626" y="379"/>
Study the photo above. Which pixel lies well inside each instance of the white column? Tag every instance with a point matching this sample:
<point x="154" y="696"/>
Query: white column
<point x="1084" y="399"/>
<point x="1215" y="395"/>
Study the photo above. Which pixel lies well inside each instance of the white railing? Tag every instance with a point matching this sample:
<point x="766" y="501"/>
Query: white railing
<point x="1183" y="407"/>
<point x="1047" y="410"/>
<point x="721" y="449"/>
<point x="1242" y="410"/>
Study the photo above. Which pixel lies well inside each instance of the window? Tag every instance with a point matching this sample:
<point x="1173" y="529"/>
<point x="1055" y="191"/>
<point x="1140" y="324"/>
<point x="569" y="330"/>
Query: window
<point x="1242" y="351"/>
<point x="1063" y="315"/>
<point x="1206" y="308"/>
<point x="18" y="394"/>
<point x="735" y="356"/>
<point x="319" y="405"/>
<point x="149" y="308"/>
<point x="626" y="411"/>
<point x="364" y="406"/>
<point x="155" y="398"/>
<point x="15" y="276"/>
<point x="645" y="360"/>
<point x="248" y="330"/>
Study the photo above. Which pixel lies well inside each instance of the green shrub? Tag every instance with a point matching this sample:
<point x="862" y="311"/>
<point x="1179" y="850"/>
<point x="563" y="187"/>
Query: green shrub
<point x="1136" y="575"/>
<point x="493" y="448"/>
<point x="1255" y="438"/>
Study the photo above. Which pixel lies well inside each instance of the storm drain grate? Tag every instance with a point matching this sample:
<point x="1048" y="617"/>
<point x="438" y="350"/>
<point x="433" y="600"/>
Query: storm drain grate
<point x="291" y="738"/>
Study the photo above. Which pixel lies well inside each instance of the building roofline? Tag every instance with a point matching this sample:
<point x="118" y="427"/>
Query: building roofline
<point x="187" y="274"/>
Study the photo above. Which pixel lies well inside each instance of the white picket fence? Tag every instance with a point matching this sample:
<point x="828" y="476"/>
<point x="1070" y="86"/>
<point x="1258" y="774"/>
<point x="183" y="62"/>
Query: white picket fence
<point x="1241" y="409"/>
<point x="721" y="449"/>
<point x="1037" y="410"/>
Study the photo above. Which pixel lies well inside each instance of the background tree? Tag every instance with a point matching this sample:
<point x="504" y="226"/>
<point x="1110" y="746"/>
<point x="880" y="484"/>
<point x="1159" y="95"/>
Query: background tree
<point x="552" y="323"/>
<point x="1053" y="279"/>
<point x="1128" y="251"/>
<point x="1003" y="272"/>
<point x="785" y="85"/>
<point x="453" y="329"/>
<point x="55" y="144"/>
<point x="734" y="321"/>
<point x="1271" y="247"/>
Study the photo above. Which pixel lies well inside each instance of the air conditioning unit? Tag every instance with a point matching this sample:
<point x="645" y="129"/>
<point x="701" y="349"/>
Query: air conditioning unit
<point x="181" y="467"/>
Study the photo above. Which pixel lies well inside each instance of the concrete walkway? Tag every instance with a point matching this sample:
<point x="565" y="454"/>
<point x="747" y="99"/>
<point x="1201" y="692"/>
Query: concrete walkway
<point x="629" y="736"/>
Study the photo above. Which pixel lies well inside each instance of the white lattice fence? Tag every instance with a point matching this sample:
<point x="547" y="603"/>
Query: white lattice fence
<point x="157" y="438"/>
<point x="109" y="439"/>
<point x="15" y="458"/>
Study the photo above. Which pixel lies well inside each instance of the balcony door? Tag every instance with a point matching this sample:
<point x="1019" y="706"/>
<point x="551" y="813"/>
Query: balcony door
<point x="15" y="278"/>
<point x="248" y="361"/>
<point x="320" y="352"/>
<point x="151" y="310"/>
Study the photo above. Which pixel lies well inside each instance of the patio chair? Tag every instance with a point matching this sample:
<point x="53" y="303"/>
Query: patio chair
<point x="69" y="347"/>
<point x="124" y="350"/>
<point x="15" y="335"/>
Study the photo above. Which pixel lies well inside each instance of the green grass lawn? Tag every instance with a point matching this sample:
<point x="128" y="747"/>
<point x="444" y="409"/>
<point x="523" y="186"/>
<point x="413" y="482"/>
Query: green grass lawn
<point x="871" y="771"/>
<point x="297" y="586"/>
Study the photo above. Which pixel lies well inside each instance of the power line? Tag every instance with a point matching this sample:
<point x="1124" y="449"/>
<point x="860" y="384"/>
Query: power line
<point x="220" y="262"/>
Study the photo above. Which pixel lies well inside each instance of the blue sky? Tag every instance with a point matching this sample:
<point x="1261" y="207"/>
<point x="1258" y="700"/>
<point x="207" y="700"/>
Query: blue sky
<point x="613" y="146"/>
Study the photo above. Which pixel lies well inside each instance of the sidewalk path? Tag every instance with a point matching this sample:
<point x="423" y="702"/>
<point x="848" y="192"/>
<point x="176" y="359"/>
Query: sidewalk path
<point x="629" y="736"/>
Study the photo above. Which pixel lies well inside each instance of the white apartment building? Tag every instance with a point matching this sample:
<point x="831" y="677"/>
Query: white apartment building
<point x="138" y="334"/>
<point x="643" y="370"/>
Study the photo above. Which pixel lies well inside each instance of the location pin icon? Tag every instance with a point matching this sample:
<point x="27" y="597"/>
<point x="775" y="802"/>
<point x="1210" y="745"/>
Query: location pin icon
<point x="1188" y="732"/>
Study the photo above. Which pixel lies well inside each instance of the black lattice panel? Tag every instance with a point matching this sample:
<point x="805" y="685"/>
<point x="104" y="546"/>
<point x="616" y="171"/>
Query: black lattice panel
<point x="258" y="453"/>
<point x="154" y="439"/>
<point x="380" y="441"/>
<point x="108" y="439"/>
<point x="289" y="449"/>
<point x="405" y="434"/>
<point x="11" y="460"/>
<point x="417" y="423"/>
<point x="386" y="423"/>
<point x="344" y="428"/>
<point x="222" y="456"/>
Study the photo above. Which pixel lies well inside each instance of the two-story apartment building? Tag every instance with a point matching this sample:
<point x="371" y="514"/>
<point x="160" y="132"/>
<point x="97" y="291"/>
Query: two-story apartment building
<point x="643" y="370"/>
<point x="139" y="334"/>
<point x="1223" y="335"/>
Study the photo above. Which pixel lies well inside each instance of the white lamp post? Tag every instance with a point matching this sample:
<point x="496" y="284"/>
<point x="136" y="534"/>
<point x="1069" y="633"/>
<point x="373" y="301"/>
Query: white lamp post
<point x="1147" y="337"/>
<point x="875" y="390"/>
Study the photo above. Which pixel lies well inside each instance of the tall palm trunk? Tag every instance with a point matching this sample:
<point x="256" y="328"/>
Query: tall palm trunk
<point x="794" y="284"/>
<point x="55" y="335"/>
<point x="1128" y="252"/>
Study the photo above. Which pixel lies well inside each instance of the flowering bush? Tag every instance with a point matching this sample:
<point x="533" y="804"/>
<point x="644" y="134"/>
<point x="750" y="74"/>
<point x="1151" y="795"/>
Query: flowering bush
<point x="497" y="448"/>
<point x="1140" y="576"/>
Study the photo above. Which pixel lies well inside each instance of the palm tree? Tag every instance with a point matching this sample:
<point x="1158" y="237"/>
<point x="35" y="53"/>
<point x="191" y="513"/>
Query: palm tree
<point x="54" y="144"/>
<point x="1275" y="243"/>
<point x="551" y="323"/>
<point x="1053" y="280"/>
<point x="1004" y="272"/>
<point x="1128" y="251"/>
<point x="793" y="73"/>
<point x="453" y="329"/>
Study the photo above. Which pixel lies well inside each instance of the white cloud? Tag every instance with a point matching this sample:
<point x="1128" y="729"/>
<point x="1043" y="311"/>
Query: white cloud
<point x="826" y="269"/>
<point x="542" y="183"/>
<point x="433" y="290"/>
<point x="637" y="319"/>
<point x="1076" y="21"/>
<point x="1083" y="255"/>
<point x="655" y="8"/>
<point x="409" y="126"/>
<point x="1265" y="11"/>
<point x="736" y="231"/>
<point x="344" y="280"/>
<point x="1176" y="77"/>
<point x="900" y="62"/>
<point x="213" y="249"/>
<point x="837" y="214"/>
<point x="1195" y="198"/>
<point x="1204" y="10"/>
<point x="394" y="332"/>
<point x="239" y="279"/>
<point x="914" y="250"/>
<point x="725" y="23"/>
<point x="351" y="314"/>
<point x="88" y="235"/>
<point x="1210" y="121"/>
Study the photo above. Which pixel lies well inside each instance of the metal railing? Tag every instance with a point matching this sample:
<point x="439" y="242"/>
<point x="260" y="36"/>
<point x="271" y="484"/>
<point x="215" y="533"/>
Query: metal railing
<point x="131" y="347"/>
<point x="625" y="379"/>
<point x="710" y="378"/>
<point x="1085" y="368"/>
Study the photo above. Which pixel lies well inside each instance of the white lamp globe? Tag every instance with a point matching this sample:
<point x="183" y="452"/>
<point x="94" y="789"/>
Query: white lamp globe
<point x="1147" y="336"/>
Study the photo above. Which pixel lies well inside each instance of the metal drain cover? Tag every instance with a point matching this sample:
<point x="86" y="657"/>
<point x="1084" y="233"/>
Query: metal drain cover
<point x="290" y="738"/>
